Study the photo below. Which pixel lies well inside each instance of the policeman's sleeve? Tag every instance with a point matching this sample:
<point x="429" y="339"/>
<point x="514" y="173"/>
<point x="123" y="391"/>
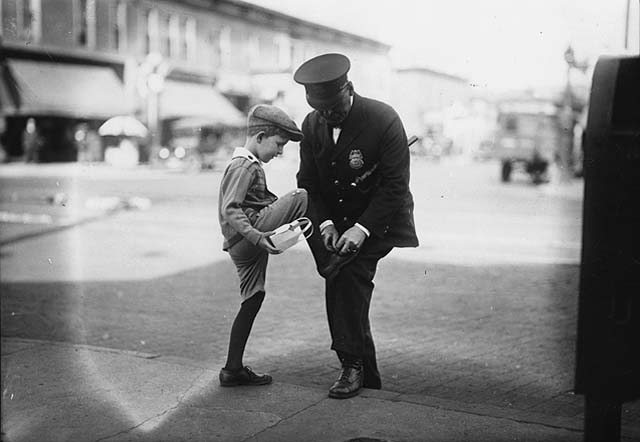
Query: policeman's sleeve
<point x="394" y="171"/>
<point x="307" y="175"/>
<point x="234" y="187"/>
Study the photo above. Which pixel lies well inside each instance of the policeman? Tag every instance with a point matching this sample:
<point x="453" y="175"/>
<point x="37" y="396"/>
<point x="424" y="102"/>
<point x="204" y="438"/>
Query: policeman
<point x="354" y="164"/>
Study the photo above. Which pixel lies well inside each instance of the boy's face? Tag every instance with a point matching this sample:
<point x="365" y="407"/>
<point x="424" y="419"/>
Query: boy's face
<point x="270" y="147"/>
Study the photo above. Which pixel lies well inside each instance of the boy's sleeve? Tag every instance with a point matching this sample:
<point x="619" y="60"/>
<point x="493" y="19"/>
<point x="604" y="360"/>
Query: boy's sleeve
<point x="234" y="187"/>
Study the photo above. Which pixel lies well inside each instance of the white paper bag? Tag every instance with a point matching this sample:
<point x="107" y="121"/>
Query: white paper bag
<point x="289" y="234"/>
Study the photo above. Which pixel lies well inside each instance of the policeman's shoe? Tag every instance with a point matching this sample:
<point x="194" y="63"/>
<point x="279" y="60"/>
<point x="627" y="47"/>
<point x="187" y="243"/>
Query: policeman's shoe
<point x="334" y="264"/>
<point x="349" y="383"/>
<point x="242" y="376"/>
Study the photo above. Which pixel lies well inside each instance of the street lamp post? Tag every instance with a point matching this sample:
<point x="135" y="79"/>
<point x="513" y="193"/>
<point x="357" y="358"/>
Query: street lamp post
<point x="153" y="72"/>
<point x="567" y="117"/>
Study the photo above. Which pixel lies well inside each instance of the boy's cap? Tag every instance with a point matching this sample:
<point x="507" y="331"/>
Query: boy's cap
<point x="268" y="115"/>
<point x="323" y="77"/>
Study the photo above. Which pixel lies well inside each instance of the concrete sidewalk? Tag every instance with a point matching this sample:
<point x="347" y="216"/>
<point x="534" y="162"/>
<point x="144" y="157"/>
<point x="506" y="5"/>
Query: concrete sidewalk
<point x="61" y="392"/>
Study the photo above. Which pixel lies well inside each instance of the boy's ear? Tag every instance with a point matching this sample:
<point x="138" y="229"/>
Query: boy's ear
<point x="260" y="136"/>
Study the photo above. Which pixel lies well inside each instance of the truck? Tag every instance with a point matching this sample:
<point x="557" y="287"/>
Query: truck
<point x="527" y="137"/>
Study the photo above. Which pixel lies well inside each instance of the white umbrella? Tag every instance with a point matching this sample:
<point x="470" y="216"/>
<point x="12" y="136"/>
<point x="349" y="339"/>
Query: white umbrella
<point x="123" y="125"/>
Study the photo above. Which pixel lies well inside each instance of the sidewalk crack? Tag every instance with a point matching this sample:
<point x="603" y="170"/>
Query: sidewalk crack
<point x="180" y="400"/>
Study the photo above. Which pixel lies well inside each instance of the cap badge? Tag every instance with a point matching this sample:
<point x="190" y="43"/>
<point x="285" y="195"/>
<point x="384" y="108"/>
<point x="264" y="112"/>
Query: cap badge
<point x="356" y="160"/>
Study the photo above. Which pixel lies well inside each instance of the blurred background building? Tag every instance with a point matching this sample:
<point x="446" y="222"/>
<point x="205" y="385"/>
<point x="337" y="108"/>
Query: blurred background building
<point x="189" y="70"/>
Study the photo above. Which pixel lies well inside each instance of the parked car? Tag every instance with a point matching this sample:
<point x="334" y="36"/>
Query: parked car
<point x="193" y="148"/>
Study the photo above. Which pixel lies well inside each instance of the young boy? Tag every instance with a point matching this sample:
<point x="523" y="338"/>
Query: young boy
<point x="248" y="213"/>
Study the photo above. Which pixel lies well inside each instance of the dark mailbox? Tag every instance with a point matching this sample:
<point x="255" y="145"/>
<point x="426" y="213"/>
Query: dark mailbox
<point x="608" y="345"/>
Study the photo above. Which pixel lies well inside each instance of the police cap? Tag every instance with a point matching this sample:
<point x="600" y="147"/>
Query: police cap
<point x="323" y="77"/>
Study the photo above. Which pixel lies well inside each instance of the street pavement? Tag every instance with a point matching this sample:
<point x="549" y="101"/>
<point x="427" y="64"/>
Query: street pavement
<point x="475" y="329"/>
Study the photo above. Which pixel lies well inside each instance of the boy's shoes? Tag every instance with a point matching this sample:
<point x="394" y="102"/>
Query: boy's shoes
<point x="349" y="383"/>
<point x="334" y="264"/>
<point x="243" y="376"/>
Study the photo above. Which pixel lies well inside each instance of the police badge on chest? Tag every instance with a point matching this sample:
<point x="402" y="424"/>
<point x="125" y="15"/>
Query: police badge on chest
<point x="356" y="159"/>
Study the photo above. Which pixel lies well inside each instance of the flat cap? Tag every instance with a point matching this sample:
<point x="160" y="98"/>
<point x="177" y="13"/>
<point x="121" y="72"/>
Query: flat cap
<point x="267" y="115"/>
<point x="323" y="77"/>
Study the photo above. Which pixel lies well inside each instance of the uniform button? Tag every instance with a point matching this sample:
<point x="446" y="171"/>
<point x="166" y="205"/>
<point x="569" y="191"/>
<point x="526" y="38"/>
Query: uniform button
<point x="336" y="182"/>
<point x="345" y="218"/>
<point x="340" y="200"/>
<point x="333" y="163"/>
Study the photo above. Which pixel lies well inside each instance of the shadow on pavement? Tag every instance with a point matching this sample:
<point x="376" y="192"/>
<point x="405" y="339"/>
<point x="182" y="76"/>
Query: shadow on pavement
<point x="497" y="335"/>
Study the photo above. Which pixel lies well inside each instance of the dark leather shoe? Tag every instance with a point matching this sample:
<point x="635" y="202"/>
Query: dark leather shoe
<point x="334" y="264"/>
<point x="243" y="376"/>
<point x="348" y="384"/>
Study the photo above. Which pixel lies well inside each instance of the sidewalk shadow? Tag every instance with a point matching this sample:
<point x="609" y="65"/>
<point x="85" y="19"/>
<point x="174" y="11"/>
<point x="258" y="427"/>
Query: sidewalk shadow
<point x="495" y="335"/>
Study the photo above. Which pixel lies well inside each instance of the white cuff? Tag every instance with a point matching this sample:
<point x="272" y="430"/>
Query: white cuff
<point x="327" y="223"/>
<point x="363" y="228"/>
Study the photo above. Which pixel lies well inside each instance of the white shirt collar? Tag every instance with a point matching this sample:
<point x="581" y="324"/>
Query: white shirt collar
<point x="338" y="129"/>
<point x="244" y="153"/>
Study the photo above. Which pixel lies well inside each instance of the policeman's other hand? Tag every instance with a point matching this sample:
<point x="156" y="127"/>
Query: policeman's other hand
<point x="330" y="237"/>
<point x="350" y="241"/>
<point x="266" y="244"/>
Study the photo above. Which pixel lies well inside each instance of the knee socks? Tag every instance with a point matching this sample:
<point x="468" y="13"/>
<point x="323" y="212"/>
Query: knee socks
<point x="240" y="330"/>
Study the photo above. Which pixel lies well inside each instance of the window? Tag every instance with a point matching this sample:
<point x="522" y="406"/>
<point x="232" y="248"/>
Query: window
<point x="85" y="23"/>
<point x="190" y="39"/>
<point x="225" y="46"/>
<point x="165" y="36"/>
<point x="120" y="27"/>
<point x="28" y="20"/>
<point x="284" y="51"/>
<point x="174" y="36"/>
<point x="214" y="47"/>
<point x="151" y="39"/>
<point x="254" y="51"/>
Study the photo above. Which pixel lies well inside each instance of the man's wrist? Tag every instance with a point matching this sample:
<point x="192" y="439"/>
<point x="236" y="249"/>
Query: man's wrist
<point x="363" y="228"/>
<point x="326" y="224"/>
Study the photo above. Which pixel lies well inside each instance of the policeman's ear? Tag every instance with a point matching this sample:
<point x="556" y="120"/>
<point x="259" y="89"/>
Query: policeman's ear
<point x="260" y="136"/>
<point x="350" y="88"/>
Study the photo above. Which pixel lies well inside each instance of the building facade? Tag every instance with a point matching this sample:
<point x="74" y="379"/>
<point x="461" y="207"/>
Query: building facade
<point x="69" y="65"/>
<point x="429" y="101"/>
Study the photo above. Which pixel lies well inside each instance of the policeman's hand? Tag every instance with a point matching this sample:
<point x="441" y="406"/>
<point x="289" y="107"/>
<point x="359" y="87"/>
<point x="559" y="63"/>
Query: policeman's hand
<point x="330" y="237"/>
<point x="266" y="244"/>
<point x="350" y="241"/>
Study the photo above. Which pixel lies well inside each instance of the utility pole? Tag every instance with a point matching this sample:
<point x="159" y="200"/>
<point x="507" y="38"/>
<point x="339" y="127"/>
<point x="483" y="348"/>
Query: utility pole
<point x="626" y="25"/>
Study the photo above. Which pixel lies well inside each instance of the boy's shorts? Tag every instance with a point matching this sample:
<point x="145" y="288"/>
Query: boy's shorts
<point x="250" y="260"/>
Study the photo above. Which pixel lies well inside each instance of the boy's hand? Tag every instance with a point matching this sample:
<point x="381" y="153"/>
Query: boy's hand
<point x="266" y="244"/>
<point x="330" y="237"/>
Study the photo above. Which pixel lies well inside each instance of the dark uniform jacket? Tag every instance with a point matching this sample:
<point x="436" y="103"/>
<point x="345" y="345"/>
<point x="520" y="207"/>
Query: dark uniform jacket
<point x="365" y="177"/>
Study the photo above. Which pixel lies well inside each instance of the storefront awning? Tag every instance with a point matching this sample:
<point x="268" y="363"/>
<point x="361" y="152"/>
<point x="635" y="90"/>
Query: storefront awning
<point x="181" y="100"/>
<point x="66" y="90"/>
